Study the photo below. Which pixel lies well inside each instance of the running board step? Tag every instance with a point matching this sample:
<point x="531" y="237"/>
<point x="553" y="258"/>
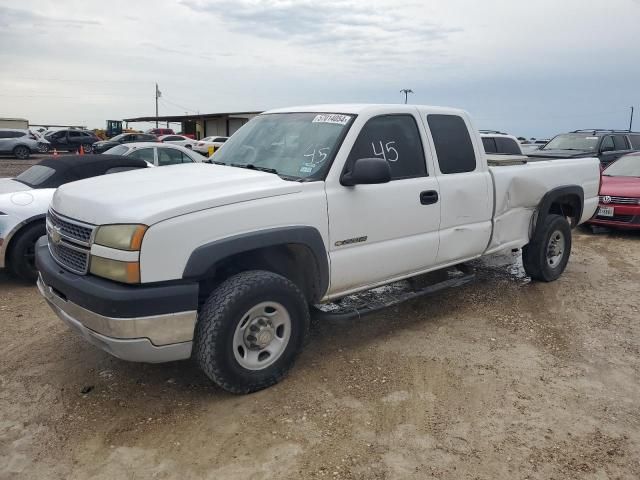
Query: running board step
<point x="370" y="301"/>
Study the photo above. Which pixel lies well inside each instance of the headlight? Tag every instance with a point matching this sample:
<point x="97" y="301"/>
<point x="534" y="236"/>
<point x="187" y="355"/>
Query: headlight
<point x="122" y="237"/>
<point x="125" y="272"/>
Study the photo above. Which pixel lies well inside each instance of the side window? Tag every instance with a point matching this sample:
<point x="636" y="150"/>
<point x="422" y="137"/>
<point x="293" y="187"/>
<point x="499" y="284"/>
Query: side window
<point x="143" y="154"/>
<point x="508" y="146"/>
<point x="620" y="142"/>
<point x="453" y="143"/>
<point x="395" y="138"/>
<point x="73" y="134"/>
<point x="4" y="134"/>
<point x="489" y="144"/>
<point x="607" y="144"/>
<point x="635" y="141"/>
<point x="169" y="156"/>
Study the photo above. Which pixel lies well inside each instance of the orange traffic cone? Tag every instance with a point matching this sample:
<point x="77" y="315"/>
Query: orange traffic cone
<point x="55" y="152"/>
<point x="81" y="150"/>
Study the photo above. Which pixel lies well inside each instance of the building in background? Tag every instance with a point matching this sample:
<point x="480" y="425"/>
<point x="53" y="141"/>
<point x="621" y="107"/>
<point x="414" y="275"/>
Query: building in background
<point x="20" y="123"/>
<point x="203" y="124"/>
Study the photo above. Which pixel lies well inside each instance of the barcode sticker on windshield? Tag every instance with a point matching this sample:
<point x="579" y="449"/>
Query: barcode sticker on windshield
<point x="592" y="138"/>
<point x="331" y="118"/>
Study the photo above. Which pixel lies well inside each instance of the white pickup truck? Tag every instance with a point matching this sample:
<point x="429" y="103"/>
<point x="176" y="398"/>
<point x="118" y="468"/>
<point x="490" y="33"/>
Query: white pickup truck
<point x="304" y="206"/>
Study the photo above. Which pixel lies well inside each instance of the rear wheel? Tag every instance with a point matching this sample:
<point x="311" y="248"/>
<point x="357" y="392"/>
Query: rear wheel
<point x="22" y="252"/>
<point x="546" y="256"/>
<point x="250" y="331"/>
<point x="21" y="152"/>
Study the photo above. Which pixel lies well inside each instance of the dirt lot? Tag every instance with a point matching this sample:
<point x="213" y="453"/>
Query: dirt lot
<point x="10" y="167"/>
<point x="500" y="379"/>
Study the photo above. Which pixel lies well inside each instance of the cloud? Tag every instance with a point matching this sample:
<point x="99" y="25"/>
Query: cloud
<point x="15" y="17"/>
<point x="353" y="29"/>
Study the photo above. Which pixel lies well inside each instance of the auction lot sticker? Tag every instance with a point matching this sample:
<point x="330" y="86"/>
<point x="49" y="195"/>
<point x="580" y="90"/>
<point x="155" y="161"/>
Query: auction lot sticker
<point x="331" y="118"/>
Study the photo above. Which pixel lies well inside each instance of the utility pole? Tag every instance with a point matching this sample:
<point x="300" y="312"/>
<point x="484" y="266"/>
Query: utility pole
<point x="406" y="92"/>
<point x="158" y="95"/>
<point x="631" y="120"/>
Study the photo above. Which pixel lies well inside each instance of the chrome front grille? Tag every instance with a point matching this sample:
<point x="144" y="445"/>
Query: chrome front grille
<point x="69" y="242"/>
<point x="74" y="259"/>
<point x="75" y="231"/>
<point x="619" y="200"/>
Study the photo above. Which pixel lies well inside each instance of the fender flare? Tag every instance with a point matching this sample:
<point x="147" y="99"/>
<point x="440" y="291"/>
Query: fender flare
<point x="204" y="258"/>
<point x="550" y="197"/>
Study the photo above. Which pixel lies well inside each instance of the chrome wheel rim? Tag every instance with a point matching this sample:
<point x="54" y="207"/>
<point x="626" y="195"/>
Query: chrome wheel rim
<point x="555" y="248"/>
<point x="262" y="335"/>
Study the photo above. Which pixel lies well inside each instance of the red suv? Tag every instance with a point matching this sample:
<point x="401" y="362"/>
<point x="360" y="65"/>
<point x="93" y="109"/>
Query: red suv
<point x="620" y="194"/>
<point x="161" y="131"/>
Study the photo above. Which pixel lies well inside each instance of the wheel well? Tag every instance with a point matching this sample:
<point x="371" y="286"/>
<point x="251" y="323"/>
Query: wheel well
<point x="15" y="235"/>
<point x="295" y="262"/>
<point x="569" y="206"/>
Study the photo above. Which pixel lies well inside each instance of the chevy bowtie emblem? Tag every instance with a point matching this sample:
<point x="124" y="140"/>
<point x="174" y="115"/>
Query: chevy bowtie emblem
<point x="56" y="235"/>
<point x="606" y="199"/>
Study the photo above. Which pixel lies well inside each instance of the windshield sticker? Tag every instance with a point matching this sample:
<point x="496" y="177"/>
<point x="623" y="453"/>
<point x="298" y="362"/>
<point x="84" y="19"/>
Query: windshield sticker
<point x="331" y="118"/>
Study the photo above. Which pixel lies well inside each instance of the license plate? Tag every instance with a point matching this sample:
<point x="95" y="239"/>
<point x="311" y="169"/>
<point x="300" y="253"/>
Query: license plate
<point x="605" y="212"/>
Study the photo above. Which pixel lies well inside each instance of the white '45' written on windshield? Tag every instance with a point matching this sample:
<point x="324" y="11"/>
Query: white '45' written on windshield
<point x="387" y="151"/>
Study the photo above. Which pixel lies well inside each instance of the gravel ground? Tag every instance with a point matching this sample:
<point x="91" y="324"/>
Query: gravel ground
<point x="10" y="167"/>
<point x="499" y="379"/>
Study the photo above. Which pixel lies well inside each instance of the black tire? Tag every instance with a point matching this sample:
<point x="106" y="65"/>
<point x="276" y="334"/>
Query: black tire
<point x="87" y="148"/>
<point x="21" y="152"/>
<point x="536" y="262"/>
<point x="21" y="255"/>
<point x="221" y="314"/>
<point x="188" y="146"/>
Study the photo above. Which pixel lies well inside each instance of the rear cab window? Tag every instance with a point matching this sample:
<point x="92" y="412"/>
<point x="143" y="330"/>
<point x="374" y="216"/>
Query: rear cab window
<point x="453" y="144"/>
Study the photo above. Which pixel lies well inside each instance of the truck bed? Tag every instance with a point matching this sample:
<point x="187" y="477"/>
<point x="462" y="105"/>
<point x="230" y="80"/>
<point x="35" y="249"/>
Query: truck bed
<point x="520" y="184"/>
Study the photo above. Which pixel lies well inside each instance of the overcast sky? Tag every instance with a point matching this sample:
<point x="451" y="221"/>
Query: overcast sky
<point x="529" y="68"/>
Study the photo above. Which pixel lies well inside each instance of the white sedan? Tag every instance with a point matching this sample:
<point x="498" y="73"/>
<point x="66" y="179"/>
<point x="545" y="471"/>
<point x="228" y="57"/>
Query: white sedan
<point x="178" y="140"/>
<point x="202" y="146"/>
<point x="158" y="154"/>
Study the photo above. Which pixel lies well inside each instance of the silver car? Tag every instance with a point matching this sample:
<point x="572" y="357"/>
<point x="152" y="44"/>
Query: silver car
<point x="19" y="143"/>
<point x="158" y="154"/>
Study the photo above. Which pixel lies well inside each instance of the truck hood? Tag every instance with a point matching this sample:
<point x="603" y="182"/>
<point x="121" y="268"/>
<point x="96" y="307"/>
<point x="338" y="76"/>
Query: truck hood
<point x="150" y="195"/>
<point x="559" y="153"/>
<point x="620" y="186"/>
<point x="9" y="185"/>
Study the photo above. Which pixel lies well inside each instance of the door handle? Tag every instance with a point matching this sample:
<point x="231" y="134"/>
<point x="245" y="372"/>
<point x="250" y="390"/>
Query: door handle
<point x="428" y="197"/>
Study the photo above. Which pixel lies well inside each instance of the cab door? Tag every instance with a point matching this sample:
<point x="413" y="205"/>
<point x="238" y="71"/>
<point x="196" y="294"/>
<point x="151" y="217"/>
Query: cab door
<point x="384" y="231"/>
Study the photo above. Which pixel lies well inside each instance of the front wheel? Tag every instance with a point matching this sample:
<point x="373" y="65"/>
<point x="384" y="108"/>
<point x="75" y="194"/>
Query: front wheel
<point x="22" y="252"/>
<point x="87" y="148"/>
<point x="250" y="331"/>
<point x="546" y="256"/>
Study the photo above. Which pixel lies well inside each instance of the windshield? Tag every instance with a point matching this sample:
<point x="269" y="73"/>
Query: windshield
<point x="117" y="138"/>
<point x="35" y="176"/>
<point x="573" y="141"/>
<point x="627" y="166"/>
<point x="298" y="145"/>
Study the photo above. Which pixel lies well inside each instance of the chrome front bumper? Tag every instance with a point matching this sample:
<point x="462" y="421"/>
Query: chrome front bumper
<point x="153" y="339"/>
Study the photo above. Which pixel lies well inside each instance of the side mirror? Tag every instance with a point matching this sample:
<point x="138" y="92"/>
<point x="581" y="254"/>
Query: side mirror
<point x="367" y="171"/>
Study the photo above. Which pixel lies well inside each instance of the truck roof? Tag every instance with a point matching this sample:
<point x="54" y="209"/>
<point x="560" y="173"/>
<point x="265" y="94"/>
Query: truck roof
<point x="356" y="108"/>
